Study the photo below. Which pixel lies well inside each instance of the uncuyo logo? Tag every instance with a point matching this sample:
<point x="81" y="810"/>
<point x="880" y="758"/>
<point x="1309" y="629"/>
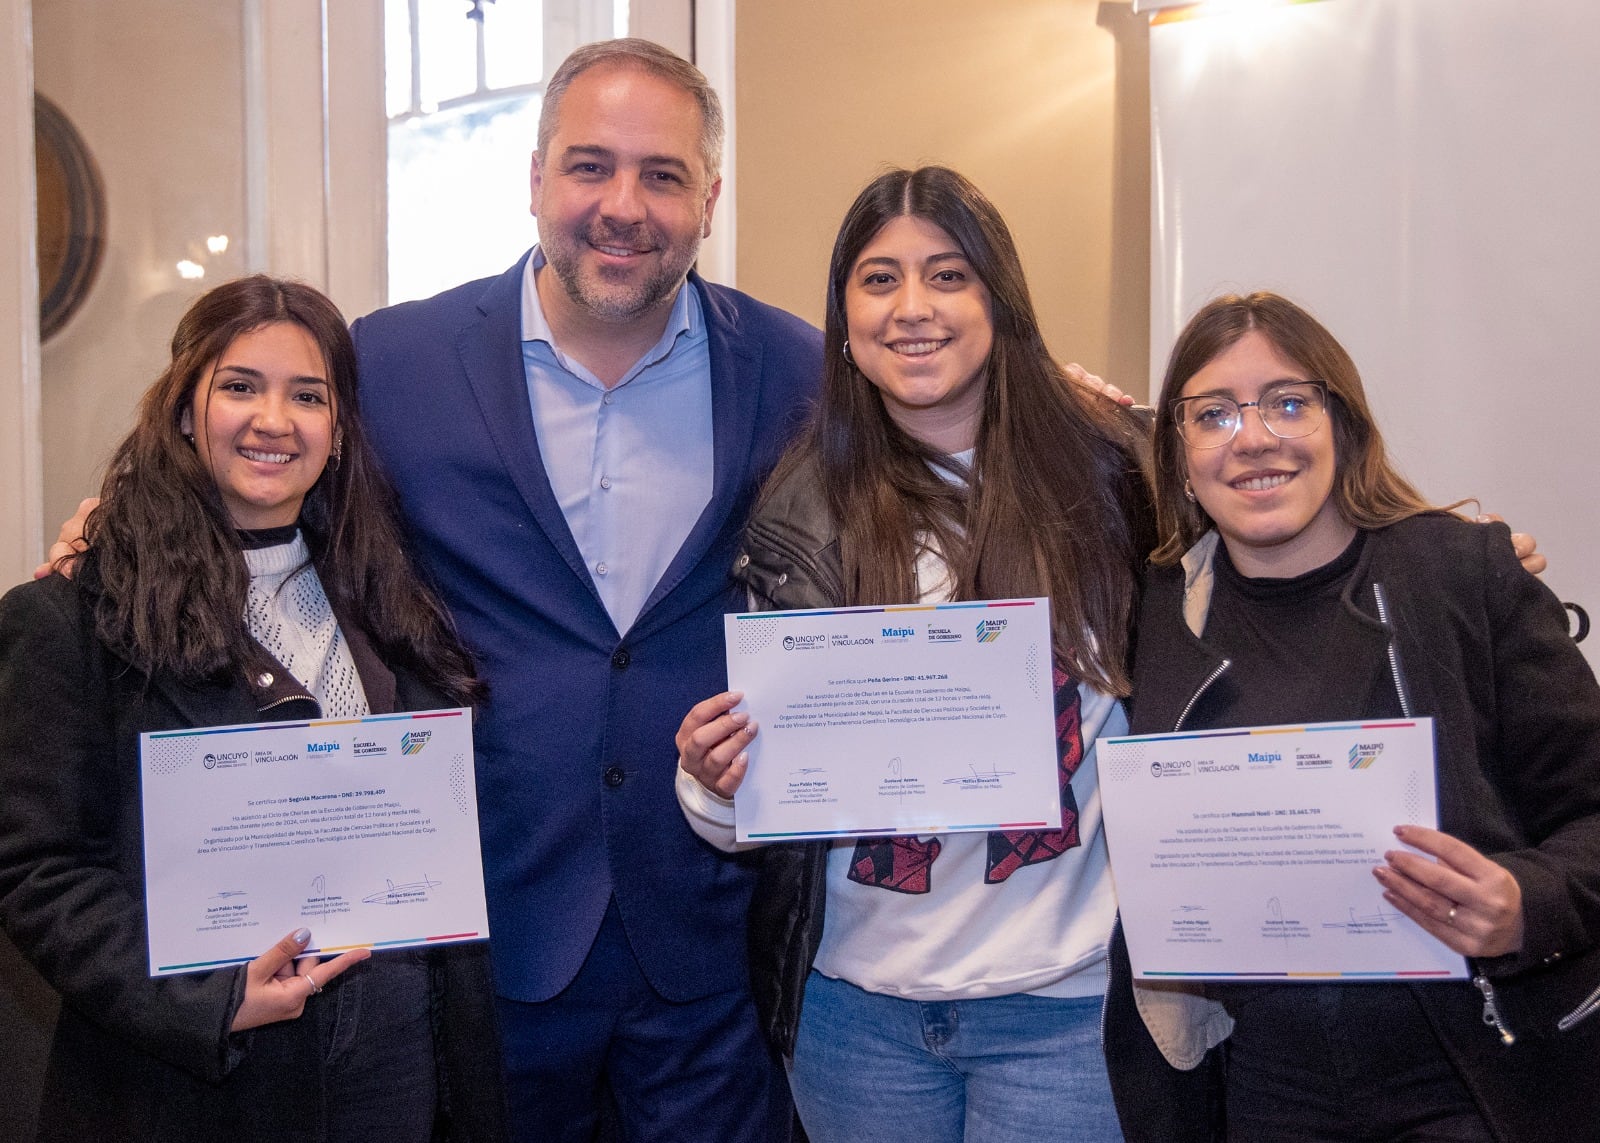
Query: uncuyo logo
<point x="804" y="642"/>
<point x="412" y="741"/>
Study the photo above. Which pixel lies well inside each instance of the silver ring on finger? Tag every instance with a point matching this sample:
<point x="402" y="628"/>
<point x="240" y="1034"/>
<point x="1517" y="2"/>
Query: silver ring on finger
<point x="1450" y="917"/>
<point x="315" y="987"/>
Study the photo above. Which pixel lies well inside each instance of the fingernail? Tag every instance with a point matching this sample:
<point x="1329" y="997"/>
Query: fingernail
<point x="741" y="759"/>
<point x="1483" y="519"/>
<point x="740" y="717"/>
<point x="301" y="936"/>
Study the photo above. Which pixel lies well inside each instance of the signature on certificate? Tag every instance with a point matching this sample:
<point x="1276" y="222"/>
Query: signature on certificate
<point x="978" y="778"/>
<point x="393" y="894"/>
<point x="802" y="771"/>
<point x="226" y="893"/>
<point x="1355" y="922"/>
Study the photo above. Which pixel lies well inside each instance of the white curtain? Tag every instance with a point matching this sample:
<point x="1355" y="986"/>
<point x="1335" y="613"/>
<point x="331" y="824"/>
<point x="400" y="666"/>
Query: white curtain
<point x="1422" y="175"/>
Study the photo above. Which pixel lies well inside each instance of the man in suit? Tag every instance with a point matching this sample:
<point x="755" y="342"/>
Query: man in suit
<point x="576" y="444"/>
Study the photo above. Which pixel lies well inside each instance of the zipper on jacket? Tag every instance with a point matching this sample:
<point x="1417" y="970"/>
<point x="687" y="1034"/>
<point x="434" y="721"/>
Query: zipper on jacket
<point x="1589" y="1007"/>
<point x="1203" y="687"/>
<point x="281" y="701"/>
<point x="1394" y="651"/>
<point x="1491" y="1010"/>
<point x="776" y="541"/>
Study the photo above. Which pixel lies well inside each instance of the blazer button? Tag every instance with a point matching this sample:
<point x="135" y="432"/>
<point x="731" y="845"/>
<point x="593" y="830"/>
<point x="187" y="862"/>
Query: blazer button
<point x="613" y="776"/>
<point x="620" y="658"/>
<point x="264" y="679"/>
<point x="742" y="562"/>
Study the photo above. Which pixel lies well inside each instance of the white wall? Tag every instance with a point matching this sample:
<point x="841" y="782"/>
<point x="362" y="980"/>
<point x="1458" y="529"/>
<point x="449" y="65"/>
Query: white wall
<point x="1421" y="176"/>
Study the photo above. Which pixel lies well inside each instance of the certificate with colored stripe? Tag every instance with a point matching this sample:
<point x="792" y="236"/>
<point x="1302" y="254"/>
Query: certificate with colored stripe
<point x="364" y="831"/>
<point x="897" y="720"/>
<point x="1247" y="854"/>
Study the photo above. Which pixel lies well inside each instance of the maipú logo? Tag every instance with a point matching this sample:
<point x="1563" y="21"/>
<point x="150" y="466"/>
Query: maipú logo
<point x="412" y="741"/>
<point x="989" y="629"/>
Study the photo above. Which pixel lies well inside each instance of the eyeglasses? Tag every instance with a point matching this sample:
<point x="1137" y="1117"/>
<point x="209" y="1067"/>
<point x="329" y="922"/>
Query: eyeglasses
<point x="1293" y="409"/>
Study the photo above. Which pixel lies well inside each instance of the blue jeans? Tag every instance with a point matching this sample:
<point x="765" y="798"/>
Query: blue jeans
<point x="1010" y="1069"/>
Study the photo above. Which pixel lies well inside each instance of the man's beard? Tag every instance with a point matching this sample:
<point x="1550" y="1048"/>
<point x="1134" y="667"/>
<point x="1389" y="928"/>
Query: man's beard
<point x="593" y="290"/>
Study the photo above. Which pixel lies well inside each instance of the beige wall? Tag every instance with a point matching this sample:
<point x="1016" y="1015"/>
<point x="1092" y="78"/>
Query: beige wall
<point x="155" y="91"/>
<point x="1035" y="100"/>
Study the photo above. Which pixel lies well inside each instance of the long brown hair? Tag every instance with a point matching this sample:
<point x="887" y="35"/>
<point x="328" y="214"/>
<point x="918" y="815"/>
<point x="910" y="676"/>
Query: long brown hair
<point x="1368" y="490"/>
<point x="1055" y="501"/>
<point x="164" y="558"/>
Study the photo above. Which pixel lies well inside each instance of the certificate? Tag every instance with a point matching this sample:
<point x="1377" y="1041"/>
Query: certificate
<point x="363" y="830"/>
<point x="1247" y="854"/>
<point x="897" y="720"/>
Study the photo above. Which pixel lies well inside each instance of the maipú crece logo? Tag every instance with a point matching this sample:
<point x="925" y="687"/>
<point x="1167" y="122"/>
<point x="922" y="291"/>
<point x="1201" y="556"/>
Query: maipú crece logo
<point x="989" y="629"/>
<point x="412" y="741"/>
<point x="1364" y="754"/>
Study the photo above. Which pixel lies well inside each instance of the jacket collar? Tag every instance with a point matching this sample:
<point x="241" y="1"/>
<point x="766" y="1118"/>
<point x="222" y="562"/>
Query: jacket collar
<point x="490" y="350"/>
<point x="267" y="692"/>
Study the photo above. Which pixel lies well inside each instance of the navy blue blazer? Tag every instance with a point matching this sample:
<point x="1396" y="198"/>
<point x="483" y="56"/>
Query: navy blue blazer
<point x="575" y="753"/>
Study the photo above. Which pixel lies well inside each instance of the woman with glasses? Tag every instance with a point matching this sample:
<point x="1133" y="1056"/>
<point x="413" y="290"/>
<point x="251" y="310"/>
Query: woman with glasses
<point x="1301" y="579"/>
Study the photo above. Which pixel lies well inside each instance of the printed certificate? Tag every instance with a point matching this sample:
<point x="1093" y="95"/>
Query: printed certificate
<point x="897" y="720"/>
<point x="363" y="830"/>
<point x="1247" y="854"/>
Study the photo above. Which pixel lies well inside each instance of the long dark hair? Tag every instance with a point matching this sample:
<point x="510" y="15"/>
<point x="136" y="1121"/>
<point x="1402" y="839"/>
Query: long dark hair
<point x="1055" y="502"/>
<point x="164" y="560"/>
<point x="1368" y="490"/>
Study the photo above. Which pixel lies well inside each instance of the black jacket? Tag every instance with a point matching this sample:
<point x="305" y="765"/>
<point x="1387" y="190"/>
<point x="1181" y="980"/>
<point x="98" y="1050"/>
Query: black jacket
<point x="1480" y="646"/>
<point x="789" y="560"/>
<point x="137" y="1058"/>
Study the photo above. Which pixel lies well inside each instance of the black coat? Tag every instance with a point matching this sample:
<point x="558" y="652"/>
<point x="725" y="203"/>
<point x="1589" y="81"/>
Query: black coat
<point x="138" y="1058"/>
<point x="1482" y="648"/>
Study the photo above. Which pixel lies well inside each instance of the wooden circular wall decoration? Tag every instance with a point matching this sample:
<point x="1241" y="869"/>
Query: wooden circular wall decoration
<point x="72" y="215"/>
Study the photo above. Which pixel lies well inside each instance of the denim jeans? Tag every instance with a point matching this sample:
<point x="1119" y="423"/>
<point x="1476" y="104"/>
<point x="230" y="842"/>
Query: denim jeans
<point x="1009" y="1069"/>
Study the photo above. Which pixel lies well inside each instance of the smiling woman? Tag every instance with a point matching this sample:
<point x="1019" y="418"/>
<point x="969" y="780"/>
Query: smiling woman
<point x="951" y="985"/>
<point x="1303" y="580"/>
<point x="266" y="423"/>
<point x="921" y="325"/>
<point x="232" y="575"/>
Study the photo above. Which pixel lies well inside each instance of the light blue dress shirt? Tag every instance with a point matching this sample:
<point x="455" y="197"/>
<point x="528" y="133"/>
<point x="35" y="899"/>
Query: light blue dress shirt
<point x="630" y="466"/>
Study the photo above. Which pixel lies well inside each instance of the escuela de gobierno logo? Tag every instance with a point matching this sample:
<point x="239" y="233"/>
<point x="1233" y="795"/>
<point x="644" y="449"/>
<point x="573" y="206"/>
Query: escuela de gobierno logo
<point x="804" y="642"/>
<point x="989" y="629"/>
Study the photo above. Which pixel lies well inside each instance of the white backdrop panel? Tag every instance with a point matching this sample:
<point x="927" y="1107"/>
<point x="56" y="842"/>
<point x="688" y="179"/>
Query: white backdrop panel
<point x="1422" y="175"/>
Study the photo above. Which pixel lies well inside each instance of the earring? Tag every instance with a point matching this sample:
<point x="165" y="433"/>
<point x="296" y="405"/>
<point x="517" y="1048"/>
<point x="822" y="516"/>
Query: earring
<point x="1188" y="490"/>
<point x="846" y="352"/>
<point x="338" y="451"/>
<point x="189" y="437"/>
